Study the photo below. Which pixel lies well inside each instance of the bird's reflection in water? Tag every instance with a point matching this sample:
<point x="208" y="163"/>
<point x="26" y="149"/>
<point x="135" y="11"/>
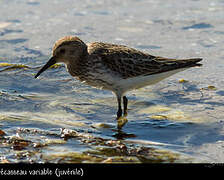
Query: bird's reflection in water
<point x="119" y="134"/>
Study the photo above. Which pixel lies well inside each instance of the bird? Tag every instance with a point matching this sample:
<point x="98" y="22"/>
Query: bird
<point x="113" y="67"/>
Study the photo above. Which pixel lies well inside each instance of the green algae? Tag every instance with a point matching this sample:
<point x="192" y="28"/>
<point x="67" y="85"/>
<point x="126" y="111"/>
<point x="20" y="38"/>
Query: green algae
<point x="9" y="66"/>
<point x="55" y="66"/>
<point x="159" y="112"/>
<point x="177" y="116"/>
<point x="209" y="88"/>
<point x="11" y="117"/>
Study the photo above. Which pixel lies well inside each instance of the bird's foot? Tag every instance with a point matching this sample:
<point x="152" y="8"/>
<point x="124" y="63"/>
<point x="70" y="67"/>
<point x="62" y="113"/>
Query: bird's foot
<point x="121" y="121"/>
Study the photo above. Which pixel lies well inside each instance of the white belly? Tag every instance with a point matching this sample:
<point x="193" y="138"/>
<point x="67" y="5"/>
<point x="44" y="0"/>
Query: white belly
<point x="142" y="81"/>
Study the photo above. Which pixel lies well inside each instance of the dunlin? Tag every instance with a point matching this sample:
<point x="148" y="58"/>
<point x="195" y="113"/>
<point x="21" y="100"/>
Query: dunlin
<point x="114" y="67"/>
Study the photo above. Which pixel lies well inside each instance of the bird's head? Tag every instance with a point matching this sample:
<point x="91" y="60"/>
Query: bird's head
<point x="66" y="50"/>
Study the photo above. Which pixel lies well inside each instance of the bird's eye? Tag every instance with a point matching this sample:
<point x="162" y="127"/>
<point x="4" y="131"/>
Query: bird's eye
<point x="62" y="51"/>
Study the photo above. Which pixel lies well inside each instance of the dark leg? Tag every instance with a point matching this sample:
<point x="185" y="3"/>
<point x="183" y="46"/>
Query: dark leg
<point x="119" y="112"/>
<point x="125" y="102"/>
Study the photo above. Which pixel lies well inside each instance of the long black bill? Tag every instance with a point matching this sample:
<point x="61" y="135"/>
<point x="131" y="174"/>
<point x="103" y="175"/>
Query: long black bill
<point x="51" y="62"/>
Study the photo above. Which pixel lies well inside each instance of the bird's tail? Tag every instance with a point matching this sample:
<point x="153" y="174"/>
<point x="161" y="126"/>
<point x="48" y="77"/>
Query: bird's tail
<point x="170" y="64"/>
<point x="189" y="62"/>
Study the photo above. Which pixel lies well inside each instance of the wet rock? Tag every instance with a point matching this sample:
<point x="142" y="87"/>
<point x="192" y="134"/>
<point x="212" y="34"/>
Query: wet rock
<point x="2" y="133"/>
<point x="66" y="133"/>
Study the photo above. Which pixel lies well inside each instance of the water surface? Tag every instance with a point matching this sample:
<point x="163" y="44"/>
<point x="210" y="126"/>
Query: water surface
<point x="57" y="119"/>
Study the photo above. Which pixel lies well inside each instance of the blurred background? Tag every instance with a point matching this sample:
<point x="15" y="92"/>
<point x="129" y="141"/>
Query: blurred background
<point x="57" y="119"/>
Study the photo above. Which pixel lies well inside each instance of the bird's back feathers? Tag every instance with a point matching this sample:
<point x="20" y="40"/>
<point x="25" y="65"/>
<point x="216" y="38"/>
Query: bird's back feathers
<point x="129" y="62"/>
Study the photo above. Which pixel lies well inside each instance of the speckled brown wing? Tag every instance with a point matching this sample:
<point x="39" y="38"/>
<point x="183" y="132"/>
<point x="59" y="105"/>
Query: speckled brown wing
<point x="129" y="62"/>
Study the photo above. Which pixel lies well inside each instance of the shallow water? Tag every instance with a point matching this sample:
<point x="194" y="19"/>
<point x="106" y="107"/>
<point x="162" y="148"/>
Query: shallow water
<point x="57" y="119"/>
